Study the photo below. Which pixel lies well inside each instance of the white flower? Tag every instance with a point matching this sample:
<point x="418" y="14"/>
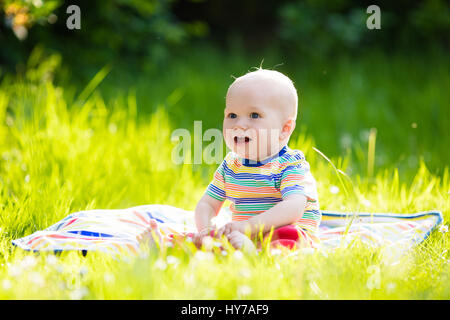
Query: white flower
<point x="208" y="243"/>
<point x="51" y="260"/>
<point x="6" y="284"/>
<point x="36" y="278"/>
<point x="245" y="273"/>
<point x="112" y="128"/>
<point x="334" y="189"/>
<point x="238" y="255"/>
<point x="109" y="277"/>
<point x="443" y="229"/>
<point x="160" y="264"/>
<point x="244" y="290"/>
<point x="346" y="141"/>
<point x="28" y="262"/>
<point x="391" y="286"/>
<point x="172" y="260"/>
<point x="15" y="270"/>
<point x="199" y="255"/>
<point x="366" y="203"/>
<point x="78" y="294"/>
<point x="210" y="294"/>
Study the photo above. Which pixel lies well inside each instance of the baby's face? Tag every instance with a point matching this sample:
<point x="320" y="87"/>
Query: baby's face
<point x="254" y="119"/>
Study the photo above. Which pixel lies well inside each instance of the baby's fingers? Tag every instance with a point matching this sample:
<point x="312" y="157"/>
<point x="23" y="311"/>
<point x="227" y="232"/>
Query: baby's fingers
<point x="197" y="240"/>
<point x="221" y="231"/>
<point x="236" y="243"/>
<point x="233" y="235"/>
<point x="228" y="228"/>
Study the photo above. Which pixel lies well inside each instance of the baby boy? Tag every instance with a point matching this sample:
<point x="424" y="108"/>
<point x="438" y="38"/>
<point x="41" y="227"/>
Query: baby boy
<point x="269" y="184"/>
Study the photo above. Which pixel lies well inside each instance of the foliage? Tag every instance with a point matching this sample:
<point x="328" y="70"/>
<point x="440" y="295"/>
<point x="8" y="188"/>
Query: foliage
<point x="320" y="28"/>
<point x="149" y="33"/>
<point x="109" y="30"/>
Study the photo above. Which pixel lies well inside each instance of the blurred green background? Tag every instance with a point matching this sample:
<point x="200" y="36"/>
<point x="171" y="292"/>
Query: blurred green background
<point x="182" y="55"/>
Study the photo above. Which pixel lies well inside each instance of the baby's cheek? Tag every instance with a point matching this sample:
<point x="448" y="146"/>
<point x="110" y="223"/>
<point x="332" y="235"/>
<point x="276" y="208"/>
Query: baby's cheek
<point x="229" y="141"/>
<point x="264" y="139"/>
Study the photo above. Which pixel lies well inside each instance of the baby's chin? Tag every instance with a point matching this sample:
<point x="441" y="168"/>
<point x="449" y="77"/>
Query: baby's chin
<point x="245" y="155"/>
<point x="252" y="156"/>
<point x="244" y="152"/>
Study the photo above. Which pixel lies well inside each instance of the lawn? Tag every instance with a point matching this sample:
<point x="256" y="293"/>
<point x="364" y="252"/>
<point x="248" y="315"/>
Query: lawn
<point x="107" y="145"/>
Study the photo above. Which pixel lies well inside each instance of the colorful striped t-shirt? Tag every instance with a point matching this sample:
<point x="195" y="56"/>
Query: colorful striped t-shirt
<point x="254" y="187"/>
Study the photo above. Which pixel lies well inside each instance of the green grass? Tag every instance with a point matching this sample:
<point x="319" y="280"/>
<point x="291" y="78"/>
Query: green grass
<point x="60" y="153"/>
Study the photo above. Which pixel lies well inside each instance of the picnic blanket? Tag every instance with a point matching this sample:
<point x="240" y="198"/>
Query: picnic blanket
<point x="115" y="230"/>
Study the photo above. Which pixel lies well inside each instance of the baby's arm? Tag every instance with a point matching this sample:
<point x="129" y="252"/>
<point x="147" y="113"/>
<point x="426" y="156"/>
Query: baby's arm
<point x="206" y="209"/>
<point x="283" y="213"/>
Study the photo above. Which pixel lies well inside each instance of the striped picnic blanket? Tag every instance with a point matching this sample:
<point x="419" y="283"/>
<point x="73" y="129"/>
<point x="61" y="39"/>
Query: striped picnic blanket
<point x="115" y="231"/>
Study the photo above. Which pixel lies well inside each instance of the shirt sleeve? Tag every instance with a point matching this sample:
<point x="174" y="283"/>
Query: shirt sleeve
<point x="296" y="178"/>
<point x="216" y="188"/>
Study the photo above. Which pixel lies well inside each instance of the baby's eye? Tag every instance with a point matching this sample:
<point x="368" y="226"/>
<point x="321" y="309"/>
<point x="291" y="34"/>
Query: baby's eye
<point x="254" y="115"/>
<point x="232" y="115"/>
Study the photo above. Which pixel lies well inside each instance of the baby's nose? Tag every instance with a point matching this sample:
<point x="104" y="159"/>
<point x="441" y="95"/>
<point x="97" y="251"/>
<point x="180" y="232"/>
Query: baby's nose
<point x="241" y="124"/>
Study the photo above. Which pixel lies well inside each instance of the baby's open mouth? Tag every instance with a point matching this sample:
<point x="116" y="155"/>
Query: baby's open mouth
<point x="241" y="139"/>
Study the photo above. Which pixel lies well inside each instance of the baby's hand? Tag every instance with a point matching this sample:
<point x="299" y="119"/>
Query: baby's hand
<point x="240" y="241"/>
<point x="230" y="227"/>
<point x="198" y="237"/>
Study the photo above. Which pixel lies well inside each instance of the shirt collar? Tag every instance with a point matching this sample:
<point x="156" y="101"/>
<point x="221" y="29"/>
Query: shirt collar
<point x="253" y="163"/>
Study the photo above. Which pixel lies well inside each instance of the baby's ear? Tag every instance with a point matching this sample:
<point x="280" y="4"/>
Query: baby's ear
<point x="288" y="128"/>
